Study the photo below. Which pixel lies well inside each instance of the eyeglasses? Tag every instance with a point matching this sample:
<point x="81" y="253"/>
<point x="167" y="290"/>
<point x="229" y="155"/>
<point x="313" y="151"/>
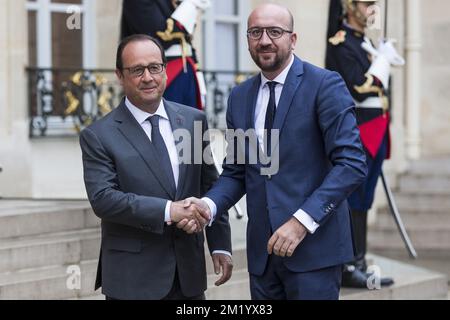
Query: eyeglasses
<point x="273" y="32"/>
<point x="153" y="68"/>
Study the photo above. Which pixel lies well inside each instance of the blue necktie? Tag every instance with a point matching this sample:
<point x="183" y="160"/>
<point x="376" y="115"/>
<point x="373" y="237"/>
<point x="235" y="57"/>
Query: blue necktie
<point x="158" y="142"/>
<point x="270" y="116"/>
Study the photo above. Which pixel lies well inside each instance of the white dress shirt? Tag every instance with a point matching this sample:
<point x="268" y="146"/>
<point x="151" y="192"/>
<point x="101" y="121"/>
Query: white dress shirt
<point x="260" y="118"/>
<point x="169" y="140"/>
<point x="167" y="134"/>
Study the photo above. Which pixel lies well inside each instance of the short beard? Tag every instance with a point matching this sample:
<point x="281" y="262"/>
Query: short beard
<point x="275" y="65"/>
<point x="360" y="17"/>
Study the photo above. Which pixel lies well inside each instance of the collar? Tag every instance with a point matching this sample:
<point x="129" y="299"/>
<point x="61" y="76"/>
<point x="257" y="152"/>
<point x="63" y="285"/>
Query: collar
<point x="281" y="78"/>
<point x="352" y="30"/>
<point x="142" y="116"/>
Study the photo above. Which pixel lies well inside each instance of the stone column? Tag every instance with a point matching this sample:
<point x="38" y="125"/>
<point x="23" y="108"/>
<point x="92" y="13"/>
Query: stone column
<point x="14" y="144"/>
<point x="413" y="77"/>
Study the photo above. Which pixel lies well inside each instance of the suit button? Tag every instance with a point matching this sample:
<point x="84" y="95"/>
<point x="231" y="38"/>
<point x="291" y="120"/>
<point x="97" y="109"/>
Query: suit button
<point x="269" y="177"/>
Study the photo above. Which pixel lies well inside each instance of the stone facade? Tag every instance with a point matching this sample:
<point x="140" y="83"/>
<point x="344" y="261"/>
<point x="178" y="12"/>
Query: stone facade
<point x="51" y="168"/>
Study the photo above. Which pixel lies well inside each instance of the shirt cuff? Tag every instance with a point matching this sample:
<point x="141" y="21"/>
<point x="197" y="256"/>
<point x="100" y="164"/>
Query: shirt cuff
<point x="167" y="212"/>
<point x="222" y="251"/>
<point x="212" y="207"/>
<point x="306" y="220"/>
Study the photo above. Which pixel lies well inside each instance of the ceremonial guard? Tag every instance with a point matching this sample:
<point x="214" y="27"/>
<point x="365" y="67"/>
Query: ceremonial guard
<point x="366" y="71"/>
<point x="172" y="23"/>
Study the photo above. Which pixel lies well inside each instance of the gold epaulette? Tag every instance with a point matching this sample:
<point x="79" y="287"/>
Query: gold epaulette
<point x="169" y="35"/>
<point x="338" y="38"/>
<point x="369" y="87"/>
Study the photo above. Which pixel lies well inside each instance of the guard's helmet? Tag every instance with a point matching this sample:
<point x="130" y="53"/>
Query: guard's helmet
<point x="349" y="6"/>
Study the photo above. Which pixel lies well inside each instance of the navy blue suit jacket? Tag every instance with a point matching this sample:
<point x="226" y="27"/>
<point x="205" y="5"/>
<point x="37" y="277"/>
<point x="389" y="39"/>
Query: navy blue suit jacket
<point x="321" y="163"/>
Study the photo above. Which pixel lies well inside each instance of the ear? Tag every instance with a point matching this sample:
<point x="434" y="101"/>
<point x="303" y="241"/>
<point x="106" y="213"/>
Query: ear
<point x="293" y="40"/>
<point x="119" y="75"/>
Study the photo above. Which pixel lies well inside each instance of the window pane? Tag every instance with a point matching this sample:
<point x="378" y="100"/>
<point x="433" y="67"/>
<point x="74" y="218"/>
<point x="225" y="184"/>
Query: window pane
<point x="225" y="7"/>
<point x="32" y="47"/>
<point x="67" y="1"/>
<point x="226" y="47"/>
<point x="66" y="44"/>
<point x="67" y="52"/>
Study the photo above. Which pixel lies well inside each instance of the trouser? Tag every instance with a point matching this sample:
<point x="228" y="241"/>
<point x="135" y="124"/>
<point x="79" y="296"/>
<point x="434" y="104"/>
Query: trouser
<point x="279" y="283"/>
<point x="175" y="292"/>
<point x="359" y="229"/>
<point x="361" y="200"/>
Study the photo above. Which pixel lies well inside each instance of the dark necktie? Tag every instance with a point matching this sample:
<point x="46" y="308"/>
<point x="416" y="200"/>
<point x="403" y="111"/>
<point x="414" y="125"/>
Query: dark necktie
<point x="270" y="116"/>
<point x="158" y="142"/>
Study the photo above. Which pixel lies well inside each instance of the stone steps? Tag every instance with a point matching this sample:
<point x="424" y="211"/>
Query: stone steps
<point x="40" y="240"/>
<point x="422" y="202"/>
<point x="421" y="239"/>
<point x="60" y="248"/>
<point x="24" y="218"/>
<point x="414" y="220"/>
<point x="432" y="166"/>
<point x="423" y="183"/>
<point x="411" y="283"/>
<point x="47" y="283"/>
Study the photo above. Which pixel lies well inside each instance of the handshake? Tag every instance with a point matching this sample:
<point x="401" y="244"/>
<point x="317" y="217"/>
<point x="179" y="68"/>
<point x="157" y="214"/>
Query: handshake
<point x="191" y="214"/>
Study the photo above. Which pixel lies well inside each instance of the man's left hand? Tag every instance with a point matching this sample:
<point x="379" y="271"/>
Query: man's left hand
<point x="286" y="239"/>
<point x="222" y="262"/>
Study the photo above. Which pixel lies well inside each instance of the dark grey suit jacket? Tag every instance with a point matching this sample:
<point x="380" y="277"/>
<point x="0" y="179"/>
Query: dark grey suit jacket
<point x="128" y="192"/>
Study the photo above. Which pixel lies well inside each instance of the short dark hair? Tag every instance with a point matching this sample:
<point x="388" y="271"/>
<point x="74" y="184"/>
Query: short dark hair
<point x="135" y="38"/>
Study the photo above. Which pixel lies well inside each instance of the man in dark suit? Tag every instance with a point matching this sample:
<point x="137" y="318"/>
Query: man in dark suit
<point x="298" y="233"/>
<point x="134" y="180"/>
<point x="172" y="23"/>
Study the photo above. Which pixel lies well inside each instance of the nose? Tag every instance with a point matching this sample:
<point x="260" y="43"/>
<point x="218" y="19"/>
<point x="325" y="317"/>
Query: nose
<point x="265" y="39"/>
<point x="147" y="76"/>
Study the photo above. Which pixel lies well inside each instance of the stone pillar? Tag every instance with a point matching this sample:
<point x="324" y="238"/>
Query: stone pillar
<point x="108" y="15"/>
<point x="14" y="144"/>
<point x="413" y="77"/>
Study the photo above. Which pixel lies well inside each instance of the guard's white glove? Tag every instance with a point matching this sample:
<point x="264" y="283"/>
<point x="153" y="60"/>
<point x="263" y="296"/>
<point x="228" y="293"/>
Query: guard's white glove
<point x="387" y="49"/>
<point x="201" y="4"/>
<point x="384" y="57"/>
<point x="186" y="13"/>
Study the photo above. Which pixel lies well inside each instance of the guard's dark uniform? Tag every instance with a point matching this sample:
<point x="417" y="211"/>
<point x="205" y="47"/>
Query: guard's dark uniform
<point x="346" y="56"/>
<point x="154" y="18"/>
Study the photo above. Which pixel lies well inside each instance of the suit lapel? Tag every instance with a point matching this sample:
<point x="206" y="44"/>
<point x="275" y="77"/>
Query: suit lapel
<point x="251" y="102"/>
<point x="178" y="121"/>
<point x="136" y="136"/>
<point x="293" y="80"/>
<point x="252" y="98"/>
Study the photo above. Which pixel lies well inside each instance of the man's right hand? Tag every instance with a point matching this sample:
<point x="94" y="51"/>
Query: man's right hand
<point x="191" y="214"/>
